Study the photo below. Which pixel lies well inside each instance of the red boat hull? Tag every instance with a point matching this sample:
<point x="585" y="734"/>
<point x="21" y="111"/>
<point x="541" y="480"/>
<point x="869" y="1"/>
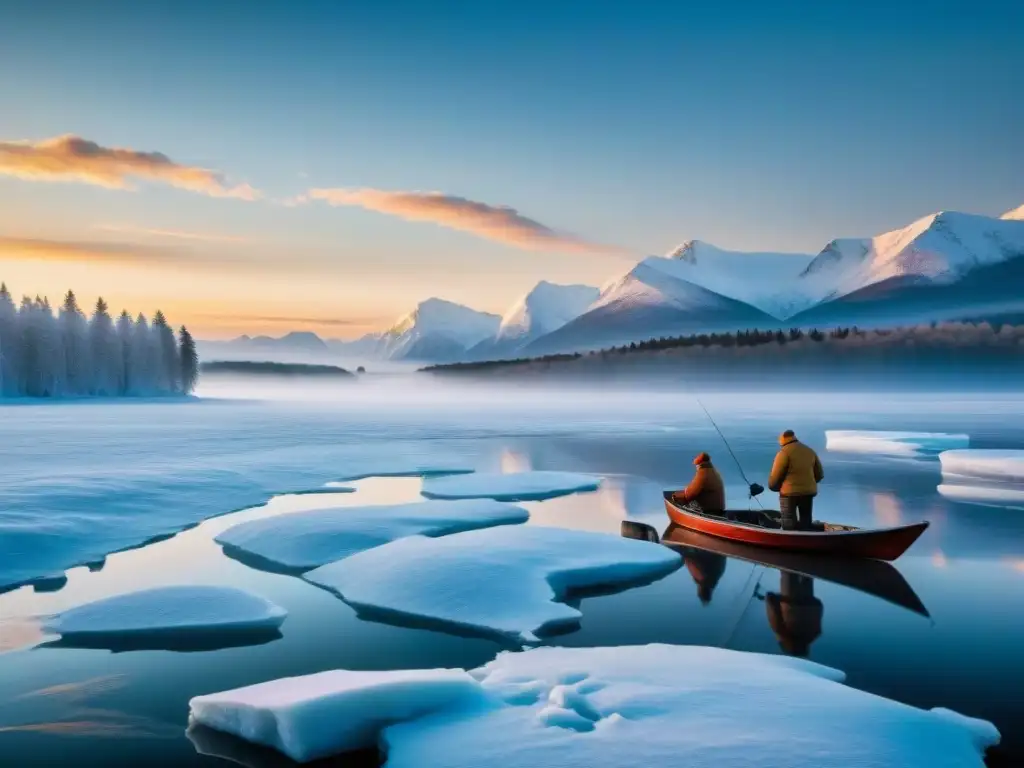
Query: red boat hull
<point x="880" y="544"/>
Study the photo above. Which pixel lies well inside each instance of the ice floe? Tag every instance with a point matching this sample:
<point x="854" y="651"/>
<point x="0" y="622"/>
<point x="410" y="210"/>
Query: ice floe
<point x="986" y="463"/>
<point x="317" y="715"/>
<point x="298" y="541"/>
<point x="168" y="609"/>
<point x="986" y="495"/>
<point x="515" y="486"/>
<point x="601" y="708"/>
<point x="506" y="581"/>
<point x="893" y="443"/>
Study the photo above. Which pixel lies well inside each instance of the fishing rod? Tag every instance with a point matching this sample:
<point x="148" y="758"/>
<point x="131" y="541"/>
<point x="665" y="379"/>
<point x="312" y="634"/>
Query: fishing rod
<point x="739" y="466"/>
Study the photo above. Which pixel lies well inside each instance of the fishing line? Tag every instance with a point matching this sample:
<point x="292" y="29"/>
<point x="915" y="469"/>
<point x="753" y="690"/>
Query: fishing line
<point x="728" y="447"/>
<point x="746" y="605"/>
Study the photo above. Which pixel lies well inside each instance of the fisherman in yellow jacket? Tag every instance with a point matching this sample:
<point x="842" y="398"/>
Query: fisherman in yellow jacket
<point x="795" y="477"/>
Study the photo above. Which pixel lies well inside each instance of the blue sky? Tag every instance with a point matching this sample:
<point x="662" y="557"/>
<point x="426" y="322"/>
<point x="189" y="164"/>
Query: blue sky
<point x="772" y="126"/>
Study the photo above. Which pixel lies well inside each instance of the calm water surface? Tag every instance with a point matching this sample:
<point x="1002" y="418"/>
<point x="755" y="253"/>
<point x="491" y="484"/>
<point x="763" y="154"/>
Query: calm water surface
<point x="960" y="648"/>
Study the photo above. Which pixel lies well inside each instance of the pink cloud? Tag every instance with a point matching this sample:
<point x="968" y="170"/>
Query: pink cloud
<point x="72" y="158"/>
<point x="494" y="222"/>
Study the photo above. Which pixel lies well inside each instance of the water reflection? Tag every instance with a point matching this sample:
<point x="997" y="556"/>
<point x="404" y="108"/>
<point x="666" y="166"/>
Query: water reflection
<point x="208" y="741"/>
<point x="706" y="568"/>
<point x="794" y="613"/>
<point x="190" y="641"/>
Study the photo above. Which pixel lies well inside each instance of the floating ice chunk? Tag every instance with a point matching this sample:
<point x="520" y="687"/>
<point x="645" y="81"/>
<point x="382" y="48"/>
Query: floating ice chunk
<point x="516" y="486"/>
<point x="600" y="708"/>
<point x="986" y="495"/>
<point x="330" y="712"/>
<point x="893" y="443"/>
<point x="985" y="463"/>
<point x="302" y="540"/>
<point x="683" y="705"/>
<point x="168" y="609"/>
<point x="504" y="581"/>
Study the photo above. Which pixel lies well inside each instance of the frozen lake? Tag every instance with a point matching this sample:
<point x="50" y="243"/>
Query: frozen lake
<point x="83" y="479"/>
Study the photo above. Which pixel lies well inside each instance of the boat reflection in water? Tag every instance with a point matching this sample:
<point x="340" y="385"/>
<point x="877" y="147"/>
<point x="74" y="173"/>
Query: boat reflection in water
<point x="794" y="613"/>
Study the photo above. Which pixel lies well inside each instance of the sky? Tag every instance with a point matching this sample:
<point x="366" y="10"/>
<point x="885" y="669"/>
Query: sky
<point x="323" y="165"/>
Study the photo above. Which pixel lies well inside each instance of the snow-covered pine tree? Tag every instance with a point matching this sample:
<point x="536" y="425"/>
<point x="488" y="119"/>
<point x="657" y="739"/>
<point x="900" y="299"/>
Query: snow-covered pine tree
<point x="169" y="364"/>
<point x="105" y="351"/>
<point x="142" y="377"/>
<point x="189" y="361"/>
<point x="29" y="365"/>
<point x="52" y="364"/>
<point x="10" y="346"/>
<point x="43" y="354"/>
<point x="125" y="375"/>
<point x="75" y="340"/>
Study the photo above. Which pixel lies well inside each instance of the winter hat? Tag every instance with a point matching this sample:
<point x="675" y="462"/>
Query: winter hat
<point x="702" y="458"/>
<point x="787" y="436"/>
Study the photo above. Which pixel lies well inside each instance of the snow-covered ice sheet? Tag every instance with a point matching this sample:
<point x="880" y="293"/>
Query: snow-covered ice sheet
<point x="690" y="706"/>
<point x="503" y="581"/>
<point x="993" y="464"/>
<point x="82" y="480"/>
<point x="893" y="443"/>
<point x="655" y="705"/>
<point x="168" y="609"/>
<point x="299" y="541"/>
<point x="514" y="486"/>
<point x="330" y="712"/>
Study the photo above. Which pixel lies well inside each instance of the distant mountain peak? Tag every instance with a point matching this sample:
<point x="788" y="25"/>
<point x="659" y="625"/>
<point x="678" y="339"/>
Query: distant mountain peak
<point x="450" y="324"/>
<point x="686" y="251"/>
<point x="545" y="308"/>
<point x="1017" y="214"/>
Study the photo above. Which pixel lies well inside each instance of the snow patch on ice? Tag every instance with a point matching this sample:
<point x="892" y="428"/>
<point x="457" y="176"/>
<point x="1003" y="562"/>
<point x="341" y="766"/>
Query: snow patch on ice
<point x="299" y="541"/>
<point x="506" y="581"/>
<point x="164" y="609"/>
<point x="326" y="713"/>
<point x="516" y="486"/>
<point x="892" y="443"/>
<point x="988" y="463"/>
<point x="684" y="705"/>
<point x="600" y="708"/>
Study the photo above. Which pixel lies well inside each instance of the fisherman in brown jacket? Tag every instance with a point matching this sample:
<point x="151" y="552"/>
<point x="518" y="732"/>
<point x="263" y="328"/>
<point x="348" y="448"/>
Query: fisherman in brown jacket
<point x="706" y="489"/>
<point x="795" y="477"/>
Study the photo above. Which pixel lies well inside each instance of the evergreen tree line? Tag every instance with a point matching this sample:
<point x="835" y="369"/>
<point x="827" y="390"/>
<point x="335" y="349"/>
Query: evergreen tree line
<point x="1006" y="340"/>
<point x="66" y="354"/>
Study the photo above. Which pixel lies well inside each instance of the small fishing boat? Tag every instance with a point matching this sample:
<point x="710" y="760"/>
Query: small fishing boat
<point x="763" y="528"/>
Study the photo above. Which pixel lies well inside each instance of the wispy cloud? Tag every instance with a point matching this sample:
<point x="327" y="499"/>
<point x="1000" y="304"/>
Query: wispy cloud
<point x="74" y="159"/>
<point x="24" y="248"/>
<point x="172" y="233"/>
<point x="494" y="222"/>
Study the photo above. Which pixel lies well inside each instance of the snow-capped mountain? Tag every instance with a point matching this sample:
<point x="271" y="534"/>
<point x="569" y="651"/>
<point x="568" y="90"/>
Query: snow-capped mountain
<point x="546" y="308"/>
<point x="655" y="298"/>
<point x="437" y="330"/>
<point x="762" y="280"/>
<point x="944" y="266"/>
